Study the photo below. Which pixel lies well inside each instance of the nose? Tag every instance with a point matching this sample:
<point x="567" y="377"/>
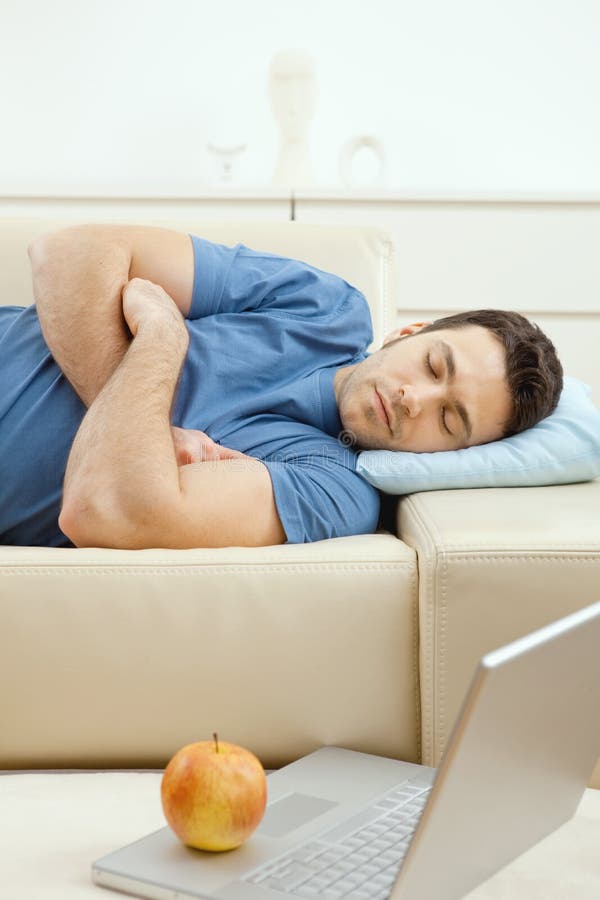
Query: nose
<point x="411" y="401"/>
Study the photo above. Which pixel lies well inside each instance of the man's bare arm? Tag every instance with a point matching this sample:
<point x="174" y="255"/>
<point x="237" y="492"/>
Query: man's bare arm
<point x="122" y="467"/>
<point x="78" y="277"/>
<point x="123" y="487"/>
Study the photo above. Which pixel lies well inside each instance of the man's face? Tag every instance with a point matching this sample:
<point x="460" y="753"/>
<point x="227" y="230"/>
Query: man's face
<point x="393" y="400"/>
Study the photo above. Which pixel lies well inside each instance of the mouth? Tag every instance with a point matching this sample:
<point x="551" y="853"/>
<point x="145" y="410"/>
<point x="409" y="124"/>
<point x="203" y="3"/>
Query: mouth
<point x="382" y="409"/>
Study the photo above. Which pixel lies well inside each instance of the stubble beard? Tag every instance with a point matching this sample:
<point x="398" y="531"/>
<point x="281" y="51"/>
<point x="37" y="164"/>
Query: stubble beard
<point x="364" y="430"/>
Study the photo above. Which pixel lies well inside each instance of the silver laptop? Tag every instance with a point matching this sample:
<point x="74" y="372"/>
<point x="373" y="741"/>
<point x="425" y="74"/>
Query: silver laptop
<point x="342" y="824"/>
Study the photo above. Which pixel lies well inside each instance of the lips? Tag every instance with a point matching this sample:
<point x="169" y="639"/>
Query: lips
<point x="383" y="408"/>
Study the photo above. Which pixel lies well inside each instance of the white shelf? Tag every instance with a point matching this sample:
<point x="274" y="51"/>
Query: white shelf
<point x="317" y="194"/>
<point x="397" y="196"/>
<point x="238" y="193"/>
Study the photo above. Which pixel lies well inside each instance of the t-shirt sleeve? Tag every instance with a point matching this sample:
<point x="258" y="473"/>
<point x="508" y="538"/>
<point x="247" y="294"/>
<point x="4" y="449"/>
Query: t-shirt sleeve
<point x="320" y="495"/>
<point x="239" y="279"/>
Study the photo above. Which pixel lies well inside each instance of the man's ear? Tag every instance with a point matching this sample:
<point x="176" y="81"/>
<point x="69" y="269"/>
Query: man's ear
<point x="403" y="332"/>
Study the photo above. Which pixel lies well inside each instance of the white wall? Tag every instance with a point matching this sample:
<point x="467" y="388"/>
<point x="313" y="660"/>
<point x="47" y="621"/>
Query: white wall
<point x="121" y="96"/>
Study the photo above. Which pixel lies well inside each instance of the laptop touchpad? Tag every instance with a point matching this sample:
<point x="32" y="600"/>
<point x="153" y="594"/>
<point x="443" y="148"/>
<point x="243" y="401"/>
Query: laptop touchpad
<point x="291" y="812"/>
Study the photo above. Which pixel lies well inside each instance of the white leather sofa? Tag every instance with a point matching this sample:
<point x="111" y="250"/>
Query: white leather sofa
<point x="115" y="659"/>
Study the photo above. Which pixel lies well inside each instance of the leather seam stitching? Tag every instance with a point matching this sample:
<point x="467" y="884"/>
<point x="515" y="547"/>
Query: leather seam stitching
<point x="525" y="557"/>
<point x="416" y="673"/>
<point x="463" y="548"/>
<point x="443" y="648"/>
<point x="426" y="589"/>
<point x="201" y="569"/>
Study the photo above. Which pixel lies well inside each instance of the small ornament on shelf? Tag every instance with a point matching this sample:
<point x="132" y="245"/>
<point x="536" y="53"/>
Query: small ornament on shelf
<point x="362" y="162"/>
<point x="225" y="161"/>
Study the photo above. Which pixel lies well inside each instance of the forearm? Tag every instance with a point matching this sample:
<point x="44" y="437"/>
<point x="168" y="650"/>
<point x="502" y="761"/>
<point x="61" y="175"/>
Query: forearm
<point x="122" y="466"/>
<point x="78" y="277"/>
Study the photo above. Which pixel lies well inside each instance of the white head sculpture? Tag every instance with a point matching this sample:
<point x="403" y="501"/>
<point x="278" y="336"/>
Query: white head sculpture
<point x="293" y="94"/>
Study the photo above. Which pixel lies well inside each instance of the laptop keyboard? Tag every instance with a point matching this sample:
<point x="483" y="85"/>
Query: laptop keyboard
<point x="357" y="860"/>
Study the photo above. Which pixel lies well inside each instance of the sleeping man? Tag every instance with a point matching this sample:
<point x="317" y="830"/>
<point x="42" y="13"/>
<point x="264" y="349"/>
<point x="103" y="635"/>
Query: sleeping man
<point x="166" y="391"/>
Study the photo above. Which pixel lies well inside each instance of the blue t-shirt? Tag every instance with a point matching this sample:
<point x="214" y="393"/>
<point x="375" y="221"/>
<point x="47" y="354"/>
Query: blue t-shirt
<point x="267" y="335"/>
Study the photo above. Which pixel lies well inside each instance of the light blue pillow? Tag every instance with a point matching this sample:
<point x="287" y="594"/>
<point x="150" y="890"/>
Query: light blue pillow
<point x="562" y="448"/>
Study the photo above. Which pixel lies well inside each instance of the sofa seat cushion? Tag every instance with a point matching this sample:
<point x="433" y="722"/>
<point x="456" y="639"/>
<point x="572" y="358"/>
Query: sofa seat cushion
<point x="117" y="658"/>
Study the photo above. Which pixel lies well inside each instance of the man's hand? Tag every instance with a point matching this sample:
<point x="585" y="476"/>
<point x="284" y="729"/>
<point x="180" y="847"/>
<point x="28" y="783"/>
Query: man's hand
<point x="193" y="446"/>
<point x="144" y="301"/>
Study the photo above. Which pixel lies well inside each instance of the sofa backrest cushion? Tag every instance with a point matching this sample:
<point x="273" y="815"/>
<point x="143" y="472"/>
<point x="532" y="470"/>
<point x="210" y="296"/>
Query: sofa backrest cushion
<point x="363" y="256"/>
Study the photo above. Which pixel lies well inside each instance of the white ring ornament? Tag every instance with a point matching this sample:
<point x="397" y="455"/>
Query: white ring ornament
<point x="348" y="154"/>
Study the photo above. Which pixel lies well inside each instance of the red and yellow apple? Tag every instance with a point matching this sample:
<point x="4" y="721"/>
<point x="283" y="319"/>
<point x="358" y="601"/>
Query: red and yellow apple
<point x="214" y="794"/>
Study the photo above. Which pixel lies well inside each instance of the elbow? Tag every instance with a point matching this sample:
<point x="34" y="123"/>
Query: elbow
<point x="42" y="248"/>
<point x="83" y="524"/>
<point x="37" y="251"/>
<point x="75" y="524"/>
<point x="88" y="526"/>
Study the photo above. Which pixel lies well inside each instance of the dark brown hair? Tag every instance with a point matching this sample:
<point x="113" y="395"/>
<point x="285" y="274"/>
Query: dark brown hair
<point x="533" y="370"/>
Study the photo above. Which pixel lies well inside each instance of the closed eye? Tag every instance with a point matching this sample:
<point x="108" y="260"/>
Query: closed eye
<point x="431" y="369"/>
<point x="444" y="421"/>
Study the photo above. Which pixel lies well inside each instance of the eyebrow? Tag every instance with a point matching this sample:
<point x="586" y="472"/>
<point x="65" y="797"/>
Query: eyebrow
<point x="451" y="366"/>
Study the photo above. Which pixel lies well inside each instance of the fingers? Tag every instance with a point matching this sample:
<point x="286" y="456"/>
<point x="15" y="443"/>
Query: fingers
<point x="193" y="446"/>
<point x="228" y="453"/>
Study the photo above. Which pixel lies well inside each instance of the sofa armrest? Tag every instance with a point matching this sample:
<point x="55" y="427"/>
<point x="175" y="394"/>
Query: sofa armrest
<point x="494" y="564"/>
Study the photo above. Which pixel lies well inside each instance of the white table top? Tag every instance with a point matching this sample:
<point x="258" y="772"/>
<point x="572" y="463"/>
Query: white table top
<point x="53" y="826"/>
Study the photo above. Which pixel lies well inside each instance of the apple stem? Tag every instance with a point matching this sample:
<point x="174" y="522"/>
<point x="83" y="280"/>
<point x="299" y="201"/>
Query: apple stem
<point x="215" y="736"/>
